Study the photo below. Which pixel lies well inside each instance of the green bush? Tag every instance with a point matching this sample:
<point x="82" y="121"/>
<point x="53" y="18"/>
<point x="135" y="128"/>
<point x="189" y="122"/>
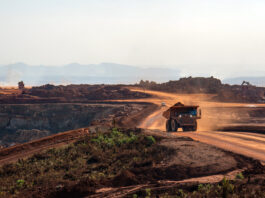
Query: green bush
<point x="181" y="194"/>
<point x="205" y="188"/>
<point x="150" y="140"/>
<point x="135" y="195"/>
<point x="148" y="192"/>
<point x="227" y="187"/>
<point x="115" y="138"/>
<point x="20" y="183"/>
<point x="200" y="187"/>
<point x="240" y="176"/>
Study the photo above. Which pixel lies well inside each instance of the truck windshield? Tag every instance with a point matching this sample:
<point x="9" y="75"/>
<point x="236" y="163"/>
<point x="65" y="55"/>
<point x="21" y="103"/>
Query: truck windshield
<point x="188" y="112"/>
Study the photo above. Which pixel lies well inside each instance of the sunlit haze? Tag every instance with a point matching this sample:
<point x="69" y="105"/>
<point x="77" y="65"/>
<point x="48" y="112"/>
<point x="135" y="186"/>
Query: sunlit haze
<point x="198" y="37"/>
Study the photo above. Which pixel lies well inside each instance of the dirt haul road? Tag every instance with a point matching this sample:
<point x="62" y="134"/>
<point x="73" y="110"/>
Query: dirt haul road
<point x="214" y="115"/>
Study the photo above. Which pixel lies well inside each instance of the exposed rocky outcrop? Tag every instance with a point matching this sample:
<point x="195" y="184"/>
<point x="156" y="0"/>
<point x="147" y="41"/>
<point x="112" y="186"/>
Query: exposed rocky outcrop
<point x="22" y="123"/>
<point x="70" y="93"/>
<point x="243" y="93"/>
<point x="186" y="85"/>
<point x="22" y="136"/>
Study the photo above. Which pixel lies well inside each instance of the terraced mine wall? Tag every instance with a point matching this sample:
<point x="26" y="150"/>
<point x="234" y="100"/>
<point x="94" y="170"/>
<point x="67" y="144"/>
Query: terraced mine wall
<point x="22" y="123"/>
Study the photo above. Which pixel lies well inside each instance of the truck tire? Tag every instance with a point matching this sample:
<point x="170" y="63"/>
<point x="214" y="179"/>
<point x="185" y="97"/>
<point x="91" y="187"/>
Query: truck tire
<point x="194" y="127"/>
<point x="168" y="126"/>
<point x="174" y="125"/>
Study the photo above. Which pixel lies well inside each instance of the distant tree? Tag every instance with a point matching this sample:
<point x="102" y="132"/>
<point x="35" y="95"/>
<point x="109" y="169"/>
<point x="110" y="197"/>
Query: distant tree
<point x="141" y="83"/>
<point x="21" y="85"/>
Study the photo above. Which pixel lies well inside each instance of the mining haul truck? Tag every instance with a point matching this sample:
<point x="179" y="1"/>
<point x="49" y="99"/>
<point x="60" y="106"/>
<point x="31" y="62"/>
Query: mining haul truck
<point x="182" y="116"/>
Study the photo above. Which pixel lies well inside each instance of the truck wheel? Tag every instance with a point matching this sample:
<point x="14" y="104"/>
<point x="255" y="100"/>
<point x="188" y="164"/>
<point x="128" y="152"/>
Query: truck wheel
<point x="174" y="125"/>
<point x="194" y="127"/>
<point x="168" y="125"/>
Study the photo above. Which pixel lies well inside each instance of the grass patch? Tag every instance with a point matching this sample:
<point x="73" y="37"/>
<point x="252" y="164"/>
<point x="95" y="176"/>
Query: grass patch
<point x="240" y="176"/>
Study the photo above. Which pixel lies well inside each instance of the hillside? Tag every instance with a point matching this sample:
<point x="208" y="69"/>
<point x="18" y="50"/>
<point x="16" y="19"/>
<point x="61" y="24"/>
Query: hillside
<point x="129" y="163"/>
<point x="211" y="85"/>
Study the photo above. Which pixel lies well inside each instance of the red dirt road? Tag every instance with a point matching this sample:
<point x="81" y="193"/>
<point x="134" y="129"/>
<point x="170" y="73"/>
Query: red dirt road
<point x="248" y="144"/>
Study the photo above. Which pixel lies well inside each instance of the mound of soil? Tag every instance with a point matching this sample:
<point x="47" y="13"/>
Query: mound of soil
<point x="125" y="178"/>
<point x="70" y="93"/>
<point x="224" y="92"/>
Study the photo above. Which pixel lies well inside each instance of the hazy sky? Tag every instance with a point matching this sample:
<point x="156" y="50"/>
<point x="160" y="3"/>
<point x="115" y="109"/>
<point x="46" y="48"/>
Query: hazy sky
<point x="215" y="36"/>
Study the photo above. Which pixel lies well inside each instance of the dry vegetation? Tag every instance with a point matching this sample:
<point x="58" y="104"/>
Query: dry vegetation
<point x="76" y="170"/>
<point x="116" y="159"/>
<point x="249" y="184"/>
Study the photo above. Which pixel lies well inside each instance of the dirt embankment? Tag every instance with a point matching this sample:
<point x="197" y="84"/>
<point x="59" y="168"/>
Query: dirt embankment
<point x="11" y="154"/>
<point x="68" y="94"/>
<point x="223" y="92"/>
<point x="192" y="163"/>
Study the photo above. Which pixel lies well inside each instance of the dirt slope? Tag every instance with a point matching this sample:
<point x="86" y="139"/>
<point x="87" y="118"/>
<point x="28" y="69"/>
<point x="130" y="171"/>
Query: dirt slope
<point x="14" y="153"/>
<point x="168" y="160"/>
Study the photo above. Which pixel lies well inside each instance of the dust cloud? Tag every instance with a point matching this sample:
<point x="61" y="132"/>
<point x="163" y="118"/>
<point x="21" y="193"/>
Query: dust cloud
<point x="215" y="115"/>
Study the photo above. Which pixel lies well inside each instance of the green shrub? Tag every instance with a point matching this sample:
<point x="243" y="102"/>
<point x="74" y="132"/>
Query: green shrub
<point x="135" y="195"/>
<point x="200" y="187"/>
<point x="20" y="183"/>
<point x="148" y="192"/>
<point x="206" y="189"/>
<point x="240" y="176"/>
<point x="181" y="194"/>
<point x="227" y="187"/>
<point x="115" y="138"/>
<point x="150" y="140"/>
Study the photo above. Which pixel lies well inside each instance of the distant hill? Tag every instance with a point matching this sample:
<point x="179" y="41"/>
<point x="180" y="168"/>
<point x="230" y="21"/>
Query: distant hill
<point x="108" y="73"/>
<point x="104" y="73"/>
<point x="258" y="81"/>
